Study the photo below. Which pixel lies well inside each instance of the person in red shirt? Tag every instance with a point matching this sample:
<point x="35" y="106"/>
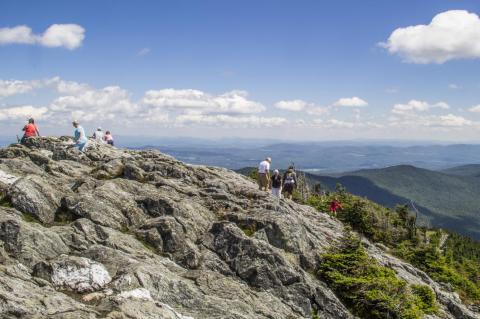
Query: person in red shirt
<point x="334" y="205"/>
<point x="30" y="130"/>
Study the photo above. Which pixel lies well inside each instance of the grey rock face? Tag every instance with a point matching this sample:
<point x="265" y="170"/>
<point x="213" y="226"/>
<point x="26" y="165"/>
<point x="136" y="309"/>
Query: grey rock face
<point x="114" y="233"/>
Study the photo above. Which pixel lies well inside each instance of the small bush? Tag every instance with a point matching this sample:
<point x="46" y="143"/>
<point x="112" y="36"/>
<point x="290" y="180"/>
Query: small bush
<point x="369" y="289"/>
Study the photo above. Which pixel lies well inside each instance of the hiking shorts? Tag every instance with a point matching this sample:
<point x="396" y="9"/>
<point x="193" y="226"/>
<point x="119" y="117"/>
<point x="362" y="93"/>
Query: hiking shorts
<point x="288" y="188"/>
<point x="263" y="181"/>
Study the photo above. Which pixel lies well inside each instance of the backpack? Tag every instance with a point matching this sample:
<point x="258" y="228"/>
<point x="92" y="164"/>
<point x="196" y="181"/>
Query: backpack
<point x="290" y="178"/>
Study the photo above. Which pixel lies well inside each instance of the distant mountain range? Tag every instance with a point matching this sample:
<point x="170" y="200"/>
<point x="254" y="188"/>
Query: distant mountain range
<point x="323" y="157"/>
<point x="449" y="198"/>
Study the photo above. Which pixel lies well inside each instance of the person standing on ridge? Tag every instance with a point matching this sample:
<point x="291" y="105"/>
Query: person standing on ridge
<point x="334" y="205"/>
<point x="277" y="184"/>
<point x="79" y="136"/>
<point x="30" y="130"/>
<point x="108" y="138"/>
<point x="264" y="174"/>
<point x="98" y="135"/>
<point x="289" y="182"/>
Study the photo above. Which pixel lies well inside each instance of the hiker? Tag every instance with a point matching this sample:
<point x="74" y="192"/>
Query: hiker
<point x="264" y="174"/>
<point x="289" y="182"/>
<point x="334" y="205"/>
<point x="108" y="138"/>
<point x="79" y="136"/>
<point x="277" y="184"/>
<point x="98" y="135"/>
<point x="30" y="130"/>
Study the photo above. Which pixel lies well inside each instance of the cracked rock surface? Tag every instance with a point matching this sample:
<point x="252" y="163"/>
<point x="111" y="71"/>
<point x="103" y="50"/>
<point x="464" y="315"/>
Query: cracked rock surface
<point x="114" y="233"/>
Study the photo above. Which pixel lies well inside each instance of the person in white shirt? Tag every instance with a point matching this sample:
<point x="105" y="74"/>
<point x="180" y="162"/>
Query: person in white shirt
<point x="264" y="174"/>
<point x="98" y="135"/>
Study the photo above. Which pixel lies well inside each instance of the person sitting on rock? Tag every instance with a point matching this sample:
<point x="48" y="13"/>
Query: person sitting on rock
<point x="108" y="138"/>
<point x="264" y="174"/>
<point x="289" y="182"/>
<point x="30" y="130"/>
<point x="98" y="135"/>
<point x="277" y="184"/>
<point x="79" y="136"/>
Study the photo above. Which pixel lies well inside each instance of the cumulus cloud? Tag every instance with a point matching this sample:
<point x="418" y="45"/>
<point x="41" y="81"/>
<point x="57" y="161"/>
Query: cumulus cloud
<point x="350" y="102"/>
<point x="94" y="104"/>
<point x="15" y="87"/>
<point x="453" y="34"/>
<point x="417" y="106"/>
<point x="451" y="120"/>
<point x="292" y="105"/>
<point x="453" y="86"/>
<point x="475" y="109"/>
<point x="69" y="36"/>
<point x="233" y="102"/>
<point x="23" y="113"/>
<point x="228" y="120"/>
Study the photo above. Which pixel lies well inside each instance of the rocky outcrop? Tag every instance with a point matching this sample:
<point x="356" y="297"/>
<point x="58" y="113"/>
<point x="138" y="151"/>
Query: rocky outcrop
<point x="115" y="233"/>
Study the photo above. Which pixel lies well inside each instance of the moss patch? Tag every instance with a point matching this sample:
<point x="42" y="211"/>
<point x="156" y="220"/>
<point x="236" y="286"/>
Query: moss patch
<point x="30" y="218"/>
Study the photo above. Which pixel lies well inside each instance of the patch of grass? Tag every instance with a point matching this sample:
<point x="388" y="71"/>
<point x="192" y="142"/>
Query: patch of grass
<point x="146" y="244"/>
<point x="30" y="218"/>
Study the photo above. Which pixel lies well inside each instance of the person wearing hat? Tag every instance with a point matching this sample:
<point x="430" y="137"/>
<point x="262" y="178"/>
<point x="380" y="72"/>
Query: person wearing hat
<point x="264" y="174"/>
<point x="98" y="135"/>
<point x="277" y="184"/>
<point x="30" y="130"/>
<point x="79" y="136"/>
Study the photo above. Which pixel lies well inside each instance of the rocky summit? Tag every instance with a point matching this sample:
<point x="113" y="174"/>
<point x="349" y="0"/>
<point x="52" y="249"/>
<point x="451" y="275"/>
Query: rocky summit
<point x="113" y="233"/>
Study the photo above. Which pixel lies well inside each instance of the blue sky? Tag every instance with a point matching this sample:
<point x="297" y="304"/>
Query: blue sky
<point x="317" y="52"/>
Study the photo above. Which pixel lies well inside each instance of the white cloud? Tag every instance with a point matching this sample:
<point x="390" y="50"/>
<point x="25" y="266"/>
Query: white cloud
<point x="453" y="34"/>
<point x="351" y="102"/>
<point x="475" y="109"/>
<point x="229" y="121"/>
<point x="292" y="105"/>
<point x="233" y="102"/>
<point x="417" y="106"/>
<point x="69" y="36"/>
<point x="453" y="86"/>
<point x="89" y="104"/>
<point x="15" y="87"/>
<point x="20" y="34"/>
<point x="318" y="110"/>
<point x="451" y="120"/>
<point x="333" y="123"/>
<point x="143" y="51"/>
<point x="23" y="113"/>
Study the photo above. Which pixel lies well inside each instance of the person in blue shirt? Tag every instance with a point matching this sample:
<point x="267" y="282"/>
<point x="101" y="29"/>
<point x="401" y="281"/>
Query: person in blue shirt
<point x="79" y="136"/>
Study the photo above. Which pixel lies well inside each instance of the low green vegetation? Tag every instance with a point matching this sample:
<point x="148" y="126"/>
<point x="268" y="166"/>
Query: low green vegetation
<point x="4" y="200"/>
<point x="30" y="218"/>
<point x="449" y="258"/>
<point x="371" y="290"/>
